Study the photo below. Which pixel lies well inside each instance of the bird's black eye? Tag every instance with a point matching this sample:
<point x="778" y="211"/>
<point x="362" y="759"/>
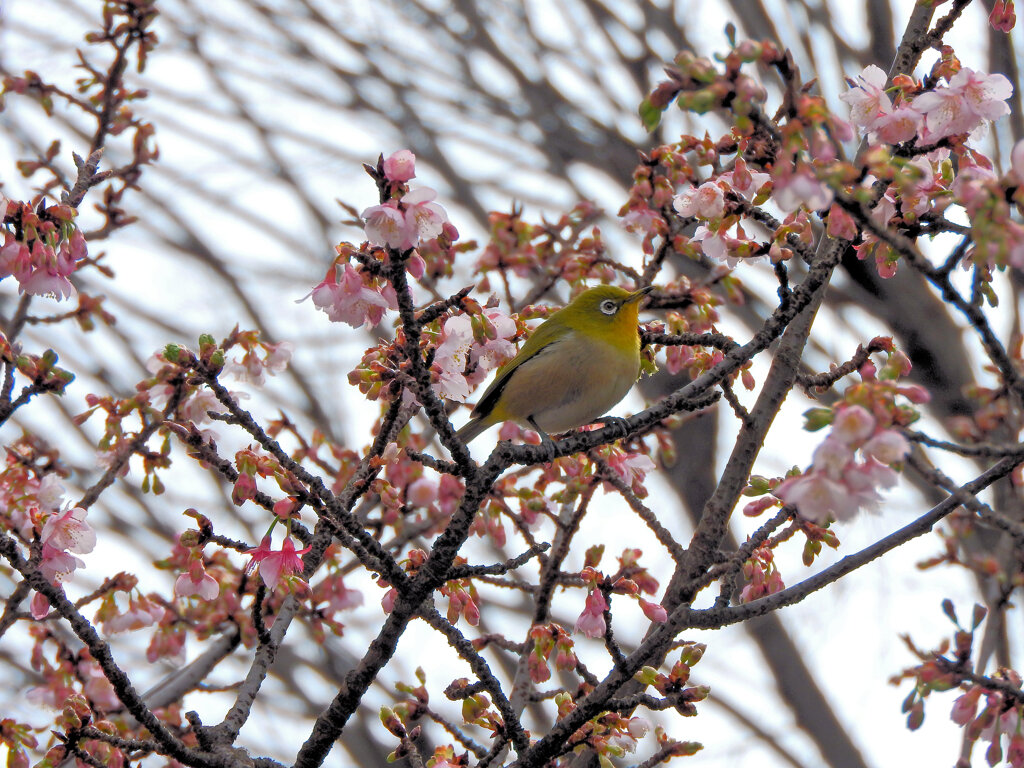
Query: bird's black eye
<point x="609" y="307"/>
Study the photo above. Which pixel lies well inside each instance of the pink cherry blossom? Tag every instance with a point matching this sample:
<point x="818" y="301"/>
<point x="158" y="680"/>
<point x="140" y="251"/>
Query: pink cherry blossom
<point x="341" y="598"/>
<point x="452" y="356"/>
<point x="969" y="99"/>
<point x="387" y="603"/>
<point x="630" y="467"/>
<point x="1017" y="161"/>
<point x="68" y="530"/>
<point x="50" y="275"/>
<point x="868" y="99"/>
<point x="459" y="347"/>
<point x="743" y="180"/>
<point x="713" y="245"/>
<point x="888" y="446"/>
<point x="638" y="727"/>
<point x="498" y="348"/>
<point x="15" y="258"/>
<point x="965" y="706"/>
<point x="350" y="300"/>
<point x="196" y="581"/>
<point x="425" y="219"/>
<point x="385" y="225"/>
<point x="853" y="424"/>
<point x="832" y="457"/>
<point x="801" y="188"/>
<point x="641" y="220"/>
<point x="275" y="565"/>
<point x="39" y="607"/>
<point x="591" y="622"/>
<point x="57" y="565"/>
<point x="141" y="613"/>
<point x="899" y="125"/>
<point x="818" y="498"/>
<point x="706" y="201"/>
<point x="400" y="166"/>
<point x="421" y="492"/>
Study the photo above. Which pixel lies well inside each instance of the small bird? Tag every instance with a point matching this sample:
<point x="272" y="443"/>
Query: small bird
<point x="578" y="363"/>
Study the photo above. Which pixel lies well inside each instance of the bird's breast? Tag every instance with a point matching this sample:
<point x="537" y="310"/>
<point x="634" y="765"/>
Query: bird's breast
<point x="570" y="383"/>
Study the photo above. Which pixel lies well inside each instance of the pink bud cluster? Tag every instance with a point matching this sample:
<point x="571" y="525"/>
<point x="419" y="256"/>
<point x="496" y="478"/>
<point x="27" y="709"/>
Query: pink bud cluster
<point x="43" y="249"/>
<point x="1000" y="717"/>
<point x="631" y="579"/>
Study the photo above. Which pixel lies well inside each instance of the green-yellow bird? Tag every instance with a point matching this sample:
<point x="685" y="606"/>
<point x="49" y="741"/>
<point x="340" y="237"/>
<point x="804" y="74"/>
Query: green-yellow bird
<point x="579" y="363"/>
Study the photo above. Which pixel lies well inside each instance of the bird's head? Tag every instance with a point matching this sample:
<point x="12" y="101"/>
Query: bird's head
<point x="606" y="307"/>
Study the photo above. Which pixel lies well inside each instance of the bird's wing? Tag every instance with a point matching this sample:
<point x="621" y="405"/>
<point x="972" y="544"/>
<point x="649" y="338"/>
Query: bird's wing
<point x="541" y="341"/>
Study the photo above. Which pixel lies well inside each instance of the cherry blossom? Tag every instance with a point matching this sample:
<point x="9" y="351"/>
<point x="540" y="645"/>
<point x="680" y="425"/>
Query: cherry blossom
<point x="421" y="492"/>
<point x="386" y="225"/>
<point x="1017" y="161"/>
<point x="713" y="245"/>
<point x="460" y="348"/>
<point x="970" y="99"/>
<point x="801" y="188"/>
<point x="591" y="622"/>
<point x="744" y="181"/>
<point x="1002" y="17"/>
<point x="888" y="446"/>
<point x="425" y="219"/>
<point x="653" y="611"/>
<point x="706" y="201"/>
<point x="141" y="613"/>
<point x="853" y="424"/>
<point x="896" y="126"/>
<point x="818" y="497"/>
<point x="350" y="300"/>
<point x="275" y="565"/>
<point x="868" y="100"/>
<point x="68" y="530"/>
<point x="196" y="582"/>
<point x="405" y="224"/>
<point x="400" y="166"/>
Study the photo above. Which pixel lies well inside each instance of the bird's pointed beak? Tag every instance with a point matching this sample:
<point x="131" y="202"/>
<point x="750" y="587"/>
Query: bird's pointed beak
<point x="639" y="294"/>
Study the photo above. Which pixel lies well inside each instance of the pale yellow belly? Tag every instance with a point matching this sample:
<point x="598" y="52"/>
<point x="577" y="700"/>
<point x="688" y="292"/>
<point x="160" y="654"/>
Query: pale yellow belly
<point x="569" y="384"/>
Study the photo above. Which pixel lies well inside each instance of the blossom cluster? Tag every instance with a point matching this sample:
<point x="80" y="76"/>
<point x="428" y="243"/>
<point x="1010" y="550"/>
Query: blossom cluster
<point x="406" y="220"/>
<point x="968" y="102"/>
<point x="41" y="249"/>
<point x="837" y="485"/>
<point x="1000" y="716"/>
<point x="857" y="458"/>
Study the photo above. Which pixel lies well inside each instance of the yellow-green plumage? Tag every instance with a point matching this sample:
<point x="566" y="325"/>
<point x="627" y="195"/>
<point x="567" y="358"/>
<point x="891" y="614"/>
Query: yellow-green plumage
<point x="580" y="362"/>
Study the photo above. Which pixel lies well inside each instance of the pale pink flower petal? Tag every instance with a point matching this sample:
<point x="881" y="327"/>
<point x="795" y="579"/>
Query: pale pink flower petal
<point x="706" y="201"/>
<point x="867" y="100"/>
<point x="386" y="225"/>
<point x="888" y="446"/>
<point x="68" y="530"/>
<point x="591" y="622"/>
<point x="853" y="424"/>
<point x="400" y="166"/>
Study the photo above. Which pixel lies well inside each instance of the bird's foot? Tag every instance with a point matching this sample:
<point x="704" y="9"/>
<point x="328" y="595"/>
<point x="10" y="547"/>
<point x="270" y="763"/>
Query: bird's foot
<point x="614" y="421"/>
<point x="545" y="441"/>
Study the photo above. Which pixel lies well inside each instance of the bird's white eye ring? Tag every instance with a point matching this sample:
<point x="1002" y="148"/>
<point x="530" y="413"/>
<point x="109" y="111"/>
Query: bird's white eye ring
<point x="609" y="307"/>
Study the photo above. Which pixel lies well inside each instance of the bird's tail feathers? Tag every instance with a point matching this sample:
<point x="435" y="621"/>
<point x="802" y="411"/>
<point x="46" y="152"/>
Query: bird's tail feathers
<point x="472" y="429"/>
